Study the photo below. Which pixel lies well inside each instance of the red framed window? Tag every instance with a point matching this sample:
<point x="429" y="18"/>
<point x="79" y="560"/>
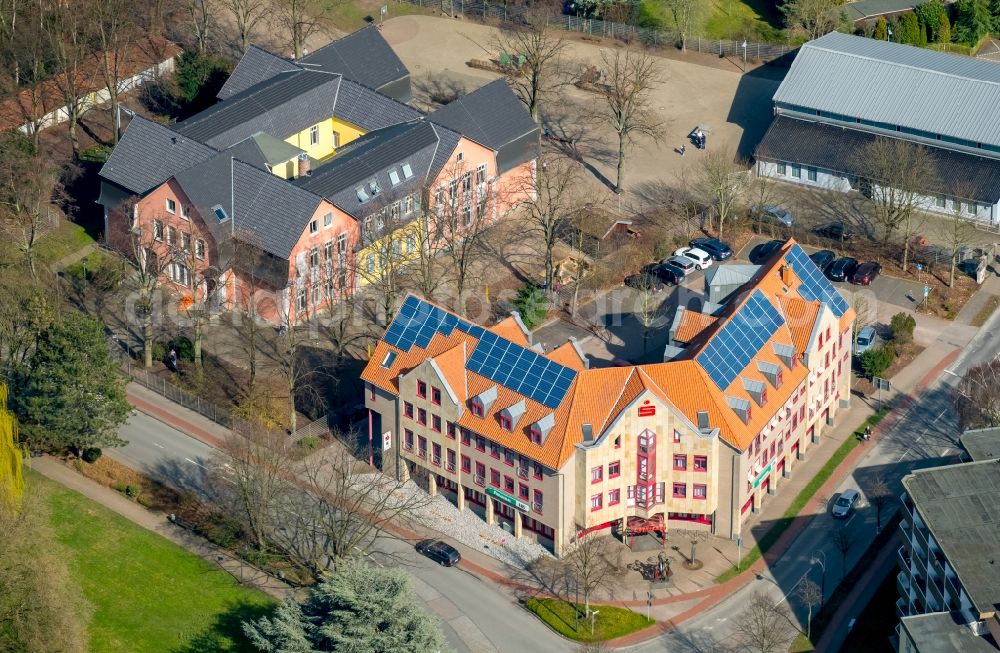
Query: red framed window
<point x="538" y="471"/>
<point x="435" y="396"/>
<point x="480" y="443"/>
<point x="408" y="409"/>
<point x="371" y="388"/>
<point x="421" y="416"/>
<point x="421" y="446"/>
<point x="777" y="379"/>
<point x="436" y="453"/>
<point x="597" y="474"/>
<point x="494" y="451"/>
<point x="827" y="333"/>
<point x="699" y="491"/>
<point x="677" y="436"/>
<point x="435" y="423"/>
<point x="618" y="442"/>
<point x="494" y="478"/>
<point x="614" y="469"/>
<point x="680" y="490"/>
<point x="408" y="439"/>
<point x="802" y="413"/>
<point x="537" y="501"/>
<point x="466" y="464"/>
<point x="535" y="435"/>
<point x="522" y="490"/>
<point x="508" y="484"/>
<point x="451" y="460"/>
<point x="481" y="473"/>
<point x="476" y="407"/>
<point x="451" y="430"/>
<point x="701" y="463"/>
<point x="505" y="423"/>
<point x="596" y="501"/>
<point x="763" y="396"/>
<point x="680" y="462"/>
<point x="466" y="437"/>
<point x="614" y="497"/>
<point x="421" y="389"/>
<point x="508" y="457"/>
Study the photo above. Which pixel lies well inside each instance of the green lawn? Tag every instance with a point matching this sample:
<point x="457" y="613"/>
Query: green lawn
<point x="147" y="594"/>
<point x="801" y="499"/>
<point x="755" y="20"/>
<point x="610" y="622"/>
<point x="61" y="241"/>
<point x="349" y="16"/>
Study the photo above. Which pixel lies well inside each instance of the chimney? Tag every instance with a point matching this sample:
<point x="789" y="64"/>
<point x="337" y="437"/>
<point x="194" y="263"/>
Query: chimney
<point x="786" y="275"/>
<point x="304" y="169"/>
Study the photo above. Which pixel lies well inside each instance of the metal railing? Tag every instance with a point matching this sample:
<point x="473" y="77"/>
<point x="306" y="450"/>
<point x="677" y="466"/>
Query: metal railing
<point x="492" y="12"/>
<point x="176" y="394"/>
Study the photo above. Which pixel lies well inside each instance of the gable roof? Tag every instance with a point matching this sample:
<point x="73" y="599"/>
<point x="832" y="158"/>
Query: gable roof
<point x="149" y="154"/>
<point x="255" y="66"/>
<point x="262" y="150"/>
<point x="363" y="56"/>
<point x="897" y="84"/>
<point x="368" y="109"/>
<point x="490" y="115"/>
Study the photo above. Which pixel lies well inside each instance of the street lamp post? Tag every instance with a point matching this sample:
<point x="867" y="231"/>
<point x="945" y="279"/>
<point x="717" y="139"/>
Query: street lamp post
<point x="819" y="558"/>
<point x="744" y="55"/>
<point x="888" y="33"/>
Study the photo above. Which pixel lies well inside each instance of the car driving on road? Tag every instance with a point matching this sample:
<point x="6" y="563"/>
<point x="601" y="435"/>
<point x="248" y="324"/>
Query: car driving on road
<point x="845" y="503"/>
<point x="441" y="553"/>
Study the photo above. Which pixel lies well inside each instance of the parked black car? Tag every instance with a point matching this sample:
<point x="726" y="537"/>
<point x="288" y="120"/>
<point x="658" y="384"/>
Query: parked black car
<point x="823" y="258"/>
<point x="718" y="249"/>
<point x="836" y="231"/>
<point x="842" y="268"/>
<point x="762" y="252"/>
<point x="441" y="553"/>
<point x="668" y="274"/>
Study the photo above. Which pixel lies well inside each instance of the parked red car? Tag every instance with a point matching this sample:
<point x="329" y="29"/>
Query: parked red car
<point x="866" y="273"/>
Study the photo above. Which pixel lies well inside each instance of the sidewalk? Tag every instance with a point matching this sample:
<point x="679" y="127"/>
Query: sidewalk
<point x="156" y="522"/>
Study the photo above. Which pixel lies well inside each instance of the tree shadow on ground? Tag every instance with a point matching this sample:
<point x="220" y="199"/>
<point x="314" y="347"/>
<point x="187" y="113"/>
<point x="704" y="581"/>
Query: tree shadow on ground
<point x="227" y="625"/>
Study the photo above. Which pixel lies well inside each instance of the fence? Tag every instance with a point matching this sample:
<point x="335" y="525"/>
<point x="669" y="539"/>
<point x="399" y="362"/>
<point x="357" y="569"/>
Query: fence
<point x="486" y="11"/>
<point x="178" y="395"/>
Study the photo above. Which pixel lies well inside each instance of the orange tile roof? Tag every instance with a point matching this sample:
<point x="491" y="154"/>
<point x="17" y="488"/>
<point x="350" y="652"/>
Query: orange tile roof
<point x="509" y="328"/>
<point x="692" y="324"/>
<point x="598" y="396"/>
<point x="568" y="355"/>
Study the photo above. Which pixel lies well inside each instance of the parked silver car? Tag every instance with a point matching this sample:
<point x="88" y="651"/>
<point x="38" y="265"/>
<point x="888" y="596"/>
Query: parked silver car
<point x="845" y="503"/>
<point x="865" y="340"/>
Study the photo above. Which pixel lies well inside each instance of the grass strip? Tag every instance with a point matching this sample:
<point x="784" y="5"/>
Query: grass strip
<point x="568" y="619"/>
<point x="986" y="311"/>
<point x="801" y="499"/>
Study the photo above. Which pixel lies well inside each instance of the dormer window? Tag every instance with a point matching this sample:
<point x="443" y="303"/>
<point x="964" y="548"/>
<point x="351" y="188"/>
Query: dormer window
<point x="407" y="171"/>
<point x="394" y="177"/>
<point x="362" y="195"/>
<point x="476" y="407"/>
<point x="763" y="396"/>
<point x="373" y="187"/>
<point x="535" y="434"/>
<point x="505" y="423"/>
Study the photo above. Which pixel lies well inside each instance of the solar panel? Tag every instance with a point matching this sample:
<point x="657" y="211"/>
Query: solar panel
<point x="735" y="345"/>
<point x="814" y="284"/>
<point x="416" y="323"/>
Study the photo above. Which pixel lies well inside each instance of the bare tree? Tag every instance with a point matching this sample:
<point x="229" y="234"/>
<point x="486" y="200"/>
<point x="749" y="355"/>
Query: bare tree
<point x="879" y="496"/>
<point x="811" y="596"/>
<point x="339" y="507"/>
<point x="202" y="15"/>
<point x="843" y="541"/>
<point x="896" y="175"/>
<point x="814" y="18"/>
<point x="961" y="231"/>
<point x="65" y="31"/>
<point x="648" y="304"/>
<point x="764" y="627"/>
<point x="540" y="74"/>
<point x="150" y="259"/>
<point x="590" y="566"/>
<point x="114" y="34"/>
<point x="580" y="228"/>
<point x="27" y="307"/>
<point x="204" y="282"/>
<point x="29" y="188"/>
<point x="863" y="315"/>
<point x="627" y="80"/>
<point x="688" y="16"/>
<point x="247" y="14"/>
<point x="977" y="396"/>
<point x="553" y="194"/>
<point x="723" y="184"/>
<point x="300" y="18"/>
<point x="385" y="252"/>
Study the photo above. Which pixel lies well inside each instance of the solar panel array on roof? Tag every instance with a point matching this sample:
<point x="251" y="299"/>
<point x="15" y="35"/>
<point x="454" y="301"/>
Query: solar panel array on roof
<point x="524" y="371"/>
<point x="814" y="284"/>
<point x="518" y="368"/>
<point x="732" y="348"/>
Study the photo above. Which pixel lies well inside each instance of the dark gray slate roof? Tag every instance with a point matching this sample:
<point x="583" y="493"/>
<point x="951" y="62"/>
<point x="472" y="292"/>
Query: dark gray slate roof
<point x="447" y="142"/>
<point x="363" y="56"/>
<point x="372" y="157"/>
<point x="262" y="150"/>
<point x="961" y="506"/>
<point x="369" y="109"/>
<point x="491" y="115"/>
<point x="255" y="66"/>
<point x="283" y="105"/>
<point x="148" y="154"/>
<point x="836" y="148"/>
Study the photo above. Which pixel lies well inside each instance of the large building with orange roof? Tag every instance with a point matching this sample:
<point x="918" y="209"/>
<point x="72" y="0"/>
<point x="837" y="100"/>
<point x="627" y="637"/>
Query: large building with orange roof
<point x="550" y="448"/>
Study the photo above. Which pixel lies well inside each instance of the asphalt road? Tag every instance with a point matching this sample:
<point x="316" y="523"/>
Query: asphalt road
<point x="476" y="617"/>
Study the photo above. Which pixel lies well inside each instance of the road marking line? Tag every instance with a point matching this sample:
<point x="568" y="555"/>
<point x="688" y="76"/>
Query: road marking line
<point x="194" y="463"/>
<point x="157" y="444"/>
<point x="848" y="522"/>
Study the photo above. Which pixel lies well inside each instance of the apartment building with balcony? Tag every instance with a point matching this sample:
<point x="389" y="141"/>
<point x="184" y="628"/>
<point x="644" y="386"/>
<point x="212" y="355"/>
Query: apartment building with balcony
<point x="950" y="558"/>
<point x="548" y="446"/>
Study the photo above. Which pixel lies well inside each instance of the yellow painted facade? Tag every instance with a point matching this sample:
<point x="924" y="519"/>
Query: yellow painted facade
<point x="320" y="141"/>
<point x="397" y="248"/>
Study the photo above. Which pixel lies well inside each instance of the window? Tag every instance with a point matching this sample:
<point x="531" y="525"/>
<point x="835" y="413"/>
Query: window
<point x="466" y="437"/>
<point x="220" y="213"/>
<point x="797" y="171"/>
<point x="481" y="473"/>
<point x="407" y="171"/>
<point x="171" y="235"/>
<point x="614" y="497"/>
<point x="179" y="273"/>
<point x="394" y="177"/>
<point x="199" y="248"/>
<point x="315" y="294"/>
<point x="535" y="435"/>
<point x="436" y="453"/>
<point x="450" y="430"/>
<point x="313" y="226"/>
<point x="373" y="187"/>
<point x="522" y="490"/>
<point x="408" y="439"/>
<point x="537" y="501"/>
<point x="336" y="139"/>
<point x="186" y="212"/>
<point x="314" y="258"/>
<point x="680" y="462"/>
<point x="699" y="491"/>
<point x="327" y="220"/>
<point x="538" y="471"/>
<point x="595" y="502"/>
<point x="157" y="230"/>
<point x="811" y="173"/>
<point x="408" y="409"/>
<point x="301" y="299"/>
<point x="597" y="474"/>
<point x="618" y="442"/>
<point x="421" y="446"/>
<point x="461" y="155"/>
<point x="781" y="168"/>
<point x="508" y="457"/>
<point x="451" y="460"/>
<point x="421" y="389"/>
<point x="314" y="135"/>
<point x="466" y="464"/>
<point x="614" y="469"/>
<point x="941" y="201"/>
<point x="494" y="450"/>
<point x="480" y="443"/>
<point x="481" y="174"/>
<point x="421" y="416"/>
<point x="701" y="463"/>
<point x="677" y="436"/>
<point x="411" y="243"/>
<point x="171" y="206"/>
<point x="680" y="490"/>
<point x="505" y="423"/>
<point x="508" y="484"/>
<point x="494" y="478"/>
<point x="435" y="423"/>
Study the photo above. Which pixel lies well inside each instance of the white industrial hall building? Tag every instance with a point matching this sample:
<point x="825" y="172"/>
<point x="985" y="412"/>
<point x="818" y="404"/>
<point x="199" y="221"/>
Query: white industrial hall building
<point x="843" y="92"/>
